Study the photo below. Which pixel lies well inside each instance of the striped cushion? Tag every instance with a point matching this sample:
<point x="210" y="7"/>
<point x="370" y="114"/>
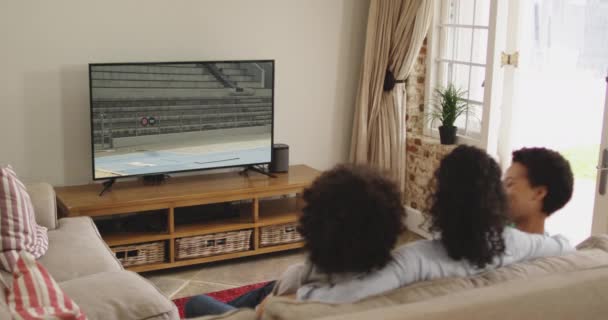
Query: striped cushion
<point x="35" y="295"/>
<point x="18" y="228"/>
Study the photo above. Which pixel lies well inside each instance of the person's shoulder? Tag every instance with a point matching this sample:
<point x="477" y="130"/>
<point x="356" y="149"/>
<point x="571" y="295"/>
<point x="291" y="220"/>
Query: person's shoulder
<point x="517" y="238"/>
<point x="514" y="237"/>
<point x="514" y="233"/>
<point x="418" y="248"/>
<point x="510" y="232"/>
<point x="415" y="245"/>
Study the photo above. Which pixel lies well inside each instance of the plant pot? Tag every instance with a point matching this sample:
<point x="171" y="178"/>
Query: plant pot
<point x="447" y="135"/>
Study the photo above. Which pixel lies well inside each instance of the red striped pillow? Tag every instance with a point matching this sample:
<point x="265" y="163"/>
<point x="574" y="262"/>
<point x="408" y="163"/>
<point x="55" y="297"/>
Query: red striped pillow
<point x="18" y="228"/>
<point x="35" y="295"/>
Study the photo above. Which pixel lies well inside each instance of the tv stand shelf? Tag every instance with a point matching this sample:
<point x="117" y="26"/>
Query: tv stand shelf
<point x="263" y="201"/>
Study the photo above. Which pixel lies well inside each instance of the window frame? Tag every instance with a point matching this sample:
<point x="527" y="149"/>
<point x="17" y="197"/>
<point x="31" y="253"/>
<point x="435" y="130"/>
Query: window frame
<point x="438" y="33"/>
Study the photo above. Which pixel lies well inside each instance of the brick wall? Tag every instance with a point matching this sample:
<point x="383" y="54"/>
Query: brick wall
<point x="423" y="153"/>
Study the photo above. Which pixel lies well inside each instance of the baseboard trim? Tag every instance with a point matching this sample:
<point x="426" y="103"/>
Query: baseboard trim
<point x="415" y="222"/>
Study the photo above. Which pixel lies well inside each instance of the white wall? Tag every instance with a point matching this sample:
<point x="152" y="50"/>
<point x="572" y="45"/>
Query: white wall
<point x="45" y="47"/>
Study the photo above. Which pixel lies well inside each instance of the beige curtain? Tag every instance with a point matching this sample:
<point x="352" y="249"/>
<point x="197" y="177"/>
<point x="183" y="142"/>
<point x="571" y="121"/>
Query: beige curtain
<point x="395" y="32"/>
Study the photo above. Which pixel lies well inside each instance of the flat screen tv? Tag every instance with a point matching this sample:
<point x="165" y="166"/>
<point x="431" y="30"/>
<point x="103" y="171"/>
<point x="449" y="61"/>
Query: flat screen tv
<point x="167" y="117"/>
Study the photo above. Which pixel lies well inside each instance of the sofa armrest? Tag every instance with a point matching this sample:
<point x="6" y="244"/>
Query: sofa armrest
<point x="119" y="295"/>
<point x="45" y="205"/>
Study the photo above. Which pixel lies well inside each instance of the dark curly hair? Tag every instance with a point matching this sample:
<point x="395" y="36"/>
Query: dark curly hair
<point x="469" y="206"/>
<point x="351" y="219"/>
<point x="550" y="169"/>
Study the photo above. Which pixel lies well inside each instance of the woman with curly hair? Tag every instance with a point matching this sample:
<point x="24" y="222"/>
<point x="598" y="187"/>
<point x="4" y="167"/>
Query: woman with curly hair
<point x="468" y="212"/>
<point x="469" y="206"/>
<point x="350" y="222"/>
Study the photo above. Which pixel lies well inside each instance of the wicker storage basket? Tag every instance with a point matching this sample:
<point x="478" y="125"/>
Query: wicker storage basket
<point x="278" y="234"/>
<point x="212" y="244"/>
<point x="138" y="254"/>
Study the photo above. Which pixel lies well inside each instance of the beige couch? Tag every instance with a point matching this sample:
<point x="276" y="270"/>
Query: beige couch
<point x="572" y="286"/>
<point x="85" y="268"/>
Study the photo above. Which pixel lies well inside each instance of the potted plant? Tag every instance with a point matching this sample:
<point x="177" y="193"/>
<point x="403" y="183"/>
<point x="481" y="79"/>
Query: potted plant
<point x="449" y="104"/>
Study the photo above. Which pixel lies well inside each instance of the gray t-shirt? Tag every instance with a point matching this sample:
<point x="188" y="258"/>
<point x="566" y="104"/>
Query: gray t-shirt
<point x="413" y="262"/>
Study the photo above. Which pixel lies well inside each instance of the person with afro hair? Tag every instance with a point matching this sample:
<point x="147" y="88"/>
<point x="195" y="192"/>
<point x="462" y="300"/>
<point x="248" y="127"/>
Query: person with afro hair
<point x="469" y="214"/>
<point x="538" y="183"/>
<point x="350" y="222"/>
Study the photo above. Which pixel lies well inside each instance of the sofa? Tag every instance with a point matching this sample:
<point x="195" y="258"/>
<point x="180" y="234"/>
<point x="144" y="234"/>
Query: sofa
<point x="88" y="271"/>
<point x="571" y="286"/>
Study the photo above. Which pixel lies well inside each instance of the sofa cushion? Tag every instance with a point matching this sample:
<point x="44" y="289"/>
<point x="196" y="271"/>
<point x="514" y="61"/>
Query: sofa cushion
<point x="35" y="295"/>
<point x="45" y="204"/>
<point x="240" y="314"/>
<point x="76" y="250"/>
<point x="286" y="308"/>
<point x="18" y="228"/>
<point x="597" y="241"/>
<point x="119" y="295"/>
<point x="564" y="296"/>
<point x="590" y="257"/>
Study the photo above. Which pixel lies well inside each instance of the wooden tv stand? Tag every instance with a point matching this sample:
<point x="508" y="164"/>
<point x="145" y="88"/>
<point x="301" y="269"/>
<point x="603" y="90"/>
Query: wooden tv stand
<point x="261" y="196"/>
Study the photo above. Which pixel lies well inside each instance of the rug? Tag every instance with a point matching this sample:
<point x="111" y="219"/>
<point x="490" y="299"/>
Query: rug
<point x="223" y="295"/>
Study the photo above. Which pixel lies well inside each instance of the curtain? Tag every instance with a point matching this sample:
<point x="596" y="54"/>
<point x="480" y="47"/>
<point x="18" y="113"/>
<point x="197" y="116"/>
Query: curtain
<point x="396" y="30"/>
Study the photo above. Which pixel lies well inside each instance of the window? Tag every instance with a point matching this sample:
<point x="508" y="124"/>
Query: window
<point x="459" y="41"/>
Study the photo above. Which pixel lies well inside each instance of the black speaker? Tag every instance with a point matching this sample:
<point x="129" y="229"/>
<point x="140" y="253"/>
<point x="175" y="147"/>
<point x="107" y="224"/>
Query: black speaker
<point x="280" y="158"/>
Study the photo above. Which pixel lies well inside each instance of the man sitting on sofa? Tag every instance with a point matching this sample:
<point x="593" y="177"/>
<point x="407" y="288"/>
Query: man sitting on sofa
<point x="538" y="183"/>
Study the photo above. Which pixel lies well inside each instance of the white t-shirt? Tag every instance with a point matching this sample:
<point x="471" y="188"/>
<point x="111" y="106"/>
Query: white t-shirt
<point x="427" y="260"/>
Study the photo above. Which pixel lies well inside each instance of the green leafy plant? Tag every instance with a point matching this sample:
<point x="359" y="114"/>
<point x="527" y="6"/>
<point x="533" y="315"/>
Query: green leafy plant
<point x="448" y="104"/>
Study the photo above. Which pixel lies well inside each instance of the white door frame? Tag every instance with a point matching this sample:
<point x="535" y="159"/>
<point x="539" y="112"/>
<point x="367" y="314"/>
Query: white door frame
<point x="600" y="211"/>
<point x="508" y="88"/>
<point x="493" y="92"/>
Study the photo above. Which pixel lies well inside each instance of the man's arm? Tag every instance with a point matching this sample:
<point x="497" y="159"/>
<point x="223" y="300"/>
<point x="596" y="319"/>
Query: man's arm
<point x="523" y="246"/>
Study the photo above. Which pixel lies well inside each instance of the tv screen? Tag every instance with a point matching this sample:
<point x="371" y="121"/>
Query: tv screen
<point x="155" y="118"/>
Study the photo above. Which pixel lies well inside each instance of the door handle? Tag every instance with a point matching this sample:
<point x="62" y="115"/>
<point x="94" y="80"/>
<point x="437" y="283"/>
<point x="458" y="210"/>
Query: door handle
<point x="603" y="172"/>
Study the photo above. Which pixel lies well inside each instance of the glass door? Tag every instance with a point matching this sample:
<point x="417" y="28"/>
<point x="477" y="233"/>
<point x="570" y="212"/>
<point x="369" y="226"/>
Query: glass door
<point x="555" y="96"/>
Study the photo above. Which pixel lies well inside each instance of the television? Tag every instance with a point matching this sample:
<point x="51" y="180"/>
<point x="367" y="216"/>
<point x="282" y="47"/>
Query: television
<point x="167" y="117"/>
